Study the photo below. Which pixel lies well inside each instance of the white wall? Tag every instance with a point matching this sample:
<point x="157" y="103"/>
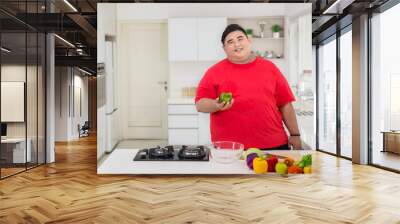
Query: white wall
<point x="62" y="82"/>
<point x="66" y="120"/>
<point x="33" y="127"/>
<point x="142" y="12"/>
<point x="81" y="82"/>
<point x="185" y="74"/>
<point x="17" y="73"/>
<point x="106" y="25"/>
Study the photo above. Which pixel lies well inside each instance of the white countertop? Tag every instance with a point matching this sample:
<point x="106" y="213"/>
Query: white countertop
<point x="181" y="101"/>
<point x="120" y="161"/>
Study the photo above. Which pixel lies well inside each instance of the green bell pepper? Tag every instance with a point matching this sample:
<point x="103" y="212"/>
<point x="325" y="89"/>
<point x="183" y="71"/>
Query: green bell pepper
<point x="225" y="97"/>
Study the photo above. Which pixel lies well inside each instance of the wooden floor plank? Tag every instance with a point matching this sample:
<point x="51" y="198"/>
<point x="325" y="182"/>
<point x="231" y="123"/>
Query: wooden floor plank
<point x="70" y="191"/>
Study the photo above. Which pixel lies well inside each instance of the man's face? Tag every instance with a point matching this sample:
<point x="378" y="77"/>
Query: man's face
<point x="237" y="46"/>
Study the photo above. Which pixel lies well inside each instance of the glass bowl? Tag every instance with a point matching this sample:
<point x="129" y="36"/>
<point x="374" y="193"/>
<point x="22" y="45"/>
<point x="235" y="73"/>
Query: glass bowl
<point x="226" y="151"/>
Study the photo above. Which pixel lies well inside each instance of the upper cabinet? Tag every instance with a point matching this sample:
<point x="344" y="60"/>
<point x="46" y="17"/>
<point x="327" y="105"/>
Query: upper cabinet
<point x="209" y="42"/>
<point x="182" y="39"/>
<point x="195" y="39"/>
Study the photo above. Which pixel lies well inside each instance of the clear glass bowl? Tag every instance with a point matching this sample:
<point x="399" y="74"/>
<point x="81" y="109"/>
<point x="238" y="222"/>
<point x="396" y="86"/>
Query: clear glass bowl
<point x="226" y="151"/>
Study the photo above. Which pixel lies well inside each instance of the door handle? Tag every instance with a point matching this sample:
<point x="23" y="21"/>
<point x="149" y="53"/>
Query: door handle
<point x="163" y="83"/>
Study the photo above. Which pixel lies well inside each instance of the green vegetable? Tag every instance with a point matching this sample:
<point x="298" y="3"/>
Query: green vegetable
<point x="306" y="160"/>
<point x="249" y="151"/>
<point x="300" y="164"/>
<point x="225" y="97"/>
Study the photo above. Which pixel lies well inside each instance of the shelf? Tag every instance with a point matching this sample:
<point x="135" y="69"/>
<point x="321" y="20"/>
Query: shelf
<point x="267" y="38"/>
<point x="257" y="18"/>
<point x="272" y="58"/>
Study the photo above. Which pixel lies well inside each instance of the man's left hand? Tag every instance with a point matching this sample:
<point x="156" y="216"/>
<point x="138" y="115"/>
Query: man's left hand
<point x="295" y="142"/>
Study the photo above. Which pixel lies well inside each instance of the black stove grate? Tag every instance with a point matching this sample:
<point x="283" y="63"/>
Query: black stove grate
<point x="174" y="153"/>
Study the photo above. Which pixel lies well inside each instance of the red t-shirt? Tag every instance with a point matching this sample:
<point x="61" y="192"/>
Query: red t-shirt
<point x="258" y="89"/>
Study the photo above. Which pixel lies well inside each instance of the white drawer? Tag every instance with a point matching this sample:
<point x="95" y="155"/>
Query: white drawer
<point x="182" y="109"/>
<point x="183" y="121"/>
<point x="204" y="129"/>
<point x="182" y="136"/>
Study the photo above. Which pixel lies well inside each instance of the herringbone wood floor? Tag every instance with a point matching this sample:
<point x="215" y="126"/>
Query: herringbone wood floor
<point x="70" y="191"/>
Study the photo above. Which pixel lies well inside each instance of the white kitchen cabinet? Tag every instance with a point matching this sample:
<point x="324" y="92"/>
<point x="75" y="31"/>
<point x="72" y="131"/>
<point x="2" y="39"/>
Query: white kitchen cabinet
<point x="204" y="129"/>
<point x="182" y="39"/>
<point x="183" y="121"/>
<point x="187" y="126"/>
<point x="195" y="39"/>
<point x="183" y="136"/>
<point x="182" y="109"/>
<point x="182" y="124"/>
<point x="209" y="32"/>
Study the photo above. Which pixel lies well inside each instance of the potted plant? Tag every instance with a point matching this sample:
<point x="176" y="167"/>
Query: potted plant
<point x="276" y="29"/>
<point x="249" y="32"/>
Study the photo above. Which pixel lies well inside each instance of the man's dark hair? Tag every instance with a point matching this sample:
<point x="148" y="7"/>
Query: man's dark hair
<point x="231" y="28"/>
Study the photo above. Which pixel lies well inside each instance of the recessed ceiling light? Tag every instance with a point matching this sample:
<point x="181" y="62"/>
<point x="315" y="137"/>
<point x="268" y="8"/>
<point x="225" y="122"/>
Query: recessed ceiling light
<point x="70" y="5"/>
<point x="86" y="72"/>
<point x="5" y="50"/>
<point x="337" y="7"/>
<point x="64" y="40"/>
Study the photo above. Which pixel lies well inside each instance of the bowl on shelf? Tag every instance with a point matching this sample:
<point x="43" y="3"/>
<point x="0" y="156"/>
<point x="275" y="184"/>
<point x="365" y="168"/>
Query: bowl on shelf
<point x="226" y="151"/>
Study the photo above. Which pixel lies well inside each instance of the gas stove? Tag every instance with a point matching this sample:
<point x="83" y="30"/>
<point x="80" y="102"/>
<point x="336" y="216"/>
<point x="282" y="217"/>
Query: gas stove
<point x="174" y="153"/>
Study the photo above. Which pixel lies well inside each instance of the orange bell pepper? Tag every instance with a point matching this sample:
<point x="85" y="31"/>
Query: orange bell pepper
<point x="295" y="169"/>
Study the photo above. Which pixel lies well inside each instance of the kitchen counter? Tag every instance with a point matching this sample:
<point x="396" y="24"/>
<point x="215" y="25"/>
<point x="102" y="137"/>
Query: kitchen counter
<point x="120" y="161"/>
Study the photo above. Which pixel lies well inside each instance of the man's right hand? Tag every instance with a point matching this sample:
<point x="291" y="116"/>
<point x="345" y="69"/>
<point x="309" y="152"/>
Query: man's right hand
<point x="223" y="105"/>
<point x="208" y="105"/>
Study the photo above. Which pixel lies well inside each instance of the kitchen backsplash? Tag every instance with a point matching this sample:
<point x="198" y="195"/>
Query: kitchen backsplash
<point x="189" y="92"/>
<point x="185" y="76"/>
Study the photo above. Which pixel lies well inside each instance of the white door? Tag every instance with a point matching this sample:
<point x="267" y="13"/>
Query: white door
<point x="145" y="75"/>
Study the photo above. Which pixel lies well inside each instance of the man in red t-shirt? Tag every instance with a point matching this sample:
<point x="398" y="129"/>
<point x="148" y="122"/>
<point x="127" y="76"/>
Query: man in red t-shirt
<point x="262" y="98"/>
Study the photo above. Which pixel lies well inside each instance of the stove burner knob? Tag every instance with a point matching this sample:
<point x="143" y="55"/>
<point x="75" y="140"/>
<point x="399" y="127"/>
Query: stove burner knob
<point x="143" y="154"/>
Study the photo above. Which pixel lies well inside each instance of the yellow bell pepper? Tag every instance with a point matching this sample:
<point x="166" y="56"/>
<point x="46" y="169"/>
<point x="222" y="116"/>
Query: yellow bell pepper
<point x="260" y="165"/>
<point x="307" y="169"/>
